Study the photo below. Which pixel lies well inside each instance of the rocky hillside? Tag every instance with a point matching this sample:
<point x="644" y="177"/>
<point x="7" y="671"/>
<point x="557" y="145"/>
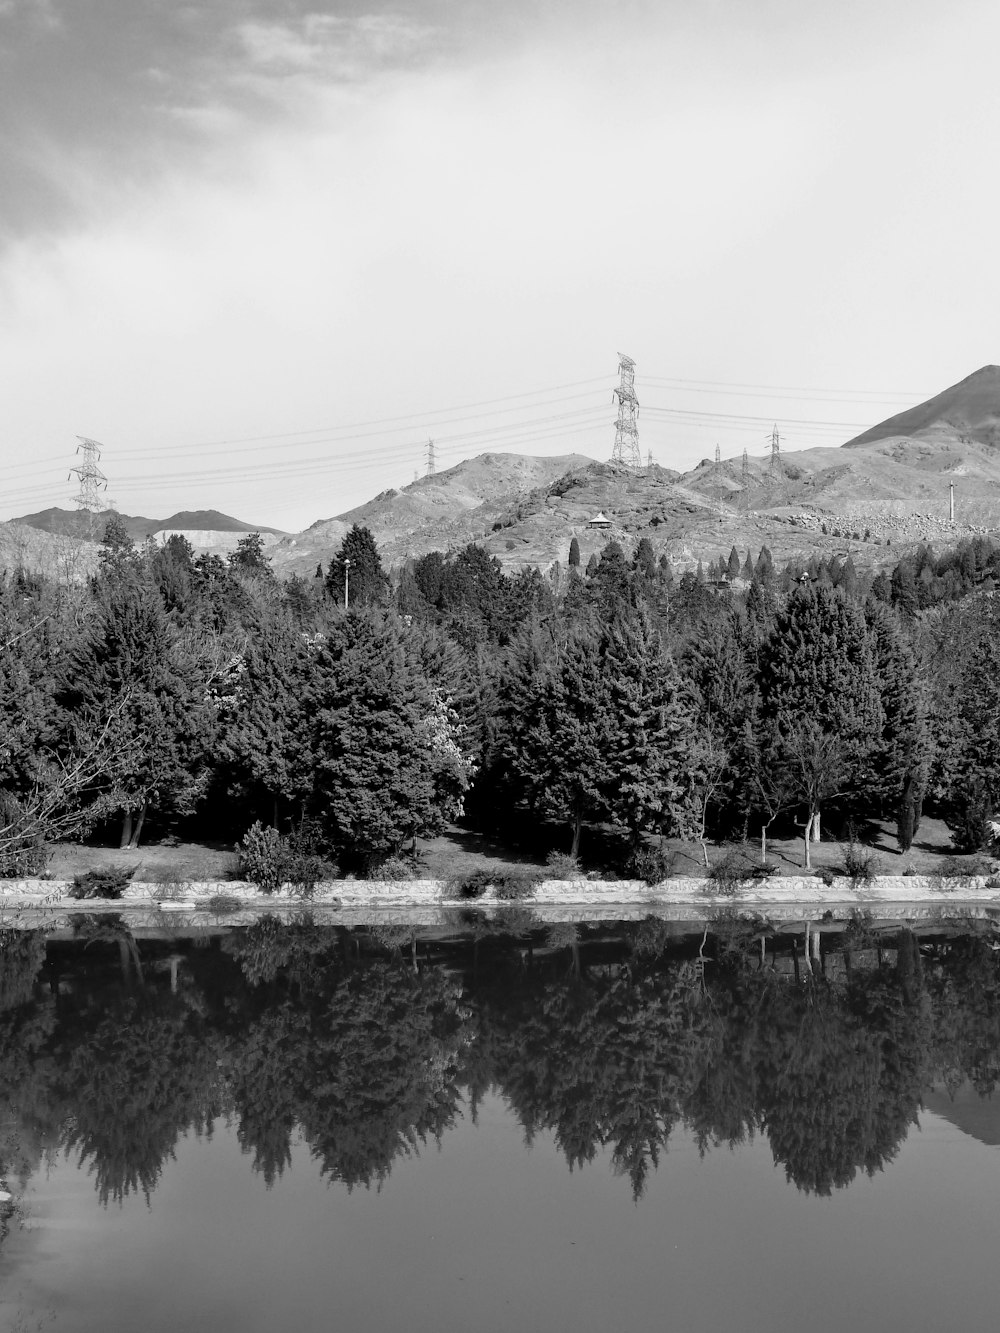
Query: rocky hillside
<point x="874" y="497"/>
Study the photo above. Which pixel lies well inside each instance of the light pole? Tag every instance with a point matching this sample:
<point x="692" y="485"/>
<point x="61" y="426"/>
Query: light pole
<point x="347" y="575"/>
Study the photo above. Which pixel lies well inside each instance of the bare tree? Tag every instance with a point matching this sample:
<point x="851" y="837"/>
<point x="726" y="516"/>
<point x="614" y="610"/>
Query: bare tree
<point x="65" y="798"/>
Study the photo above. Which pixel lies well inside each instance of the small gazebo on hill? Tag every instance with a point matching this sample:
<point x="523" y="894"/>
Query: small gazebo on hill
<point x="600" y="521"/>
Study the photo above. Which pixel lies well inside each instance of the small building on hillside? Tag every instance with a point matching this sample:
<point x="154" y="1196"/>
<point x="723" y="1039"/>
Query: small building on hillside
<point x="600" y="521"/>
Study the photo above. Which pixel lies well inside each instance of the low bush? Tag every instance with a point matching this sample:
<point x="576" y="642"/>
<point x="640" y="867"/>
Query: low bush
<point x="269" y="859"/>
<point x="651" y="864"/>
<point x="104" y="882"/>
<point x="955" y="867"/>
<point x="507" y="885"/>
<point x="861" y="864"/>
<point x="393" y="868"/>
<point x="559" y="865"/>
<point x="516" y="885"/>
<point x="733" y="869"/>
<point x="826" y="875"/>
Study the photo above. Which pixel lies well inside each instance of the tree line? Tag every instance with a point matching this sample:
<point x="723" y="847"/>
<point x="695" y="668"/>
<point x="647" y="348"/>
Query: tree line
<point x="355" y="711"/>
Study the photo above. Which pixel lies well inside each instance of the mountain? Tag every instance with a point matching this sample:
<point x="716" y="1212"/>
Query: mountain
<point x="75" y="523"/>
<point x="465" y="503"/>
<point x="973" y="1114"/>
<point x="968" y="411"/>
<point x="880" y="494"/>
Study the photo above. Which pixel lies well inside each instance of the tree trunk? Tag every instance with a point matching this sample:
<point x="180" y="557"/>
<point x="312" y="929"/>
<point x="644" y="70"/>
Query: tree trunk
<point x="763" y="844"/>
<point x="137" y="831"/>
<point x="574" y="851"/>
<point x="126" y="829"/>
<point x="815" y="832"/>
<point x="805" y="839"/>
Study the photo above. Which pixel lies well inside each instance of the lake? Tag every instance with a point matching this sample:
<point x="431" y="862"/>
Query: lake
<point x="499" y="1123"/>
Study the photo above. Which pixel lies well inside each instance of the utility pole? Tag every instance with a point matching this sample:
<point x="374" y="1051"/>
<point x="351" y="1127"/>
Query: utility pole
<point x="431" y="462"/>
<point x="347" y="576"/>
<point x="951" y="501"/>
<point x="92" y="479"/>
<point x="626" y="448"/>
<point x="745" y="483"/>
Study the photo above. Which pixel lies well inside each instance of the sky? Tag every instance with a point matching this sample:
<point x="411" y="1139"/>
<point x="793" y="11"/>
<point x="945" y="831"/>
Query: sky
<point x="264" y="250"/>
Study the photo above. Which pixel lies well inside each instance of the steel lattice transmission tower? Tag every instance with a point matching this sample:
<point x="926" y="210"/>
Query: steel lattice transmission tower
<point x="777" y="472"/>
<point x="431" y="461"/>
<point x="745" y="483"/>
<point x="92" y="479"/>
<point x="718" y="454"/>
<point x="626" y="450"/>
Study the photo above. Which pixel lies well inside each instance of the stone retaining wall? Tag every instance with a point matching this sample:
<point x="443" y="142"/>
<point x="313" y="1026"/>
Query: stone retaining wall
<point x="585" y="893"/>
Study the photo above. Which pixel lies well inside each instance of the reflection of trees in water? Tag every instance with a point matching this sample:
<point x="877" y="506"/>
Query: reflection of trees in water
<point x="366" y="1049"/>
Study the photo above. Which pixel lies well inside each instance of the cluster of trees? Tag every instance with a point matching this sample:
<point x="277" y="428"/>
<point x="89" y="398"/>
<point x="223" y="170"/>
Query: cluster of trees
<point x="368" y="1048"/>
<point x="175" y="693"/>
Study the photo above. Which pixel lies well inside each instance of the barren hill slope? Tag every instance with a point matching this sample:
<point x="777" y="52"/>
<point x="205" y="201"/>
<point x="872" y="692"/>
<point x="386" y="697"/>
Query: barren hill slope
<point x="968" y="412"/>
<point x="444" y="510"/>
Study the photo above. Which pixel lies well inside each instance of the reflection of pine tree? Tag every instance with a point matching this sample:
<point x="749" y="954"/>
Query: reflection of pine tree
<point x="131" y="1083"/>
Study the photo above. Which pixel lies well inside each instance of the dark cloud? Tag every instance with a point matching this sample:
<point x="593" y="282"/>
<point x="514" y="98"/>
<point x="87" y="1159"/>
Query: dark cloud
<point x="94" y="89"/>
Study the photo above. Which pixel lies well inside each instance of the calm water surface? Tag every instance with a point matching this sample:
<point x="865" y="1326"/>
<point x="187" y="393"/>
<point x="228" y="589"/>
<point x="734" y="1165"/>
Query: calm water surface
<point x="547" y="1128"/>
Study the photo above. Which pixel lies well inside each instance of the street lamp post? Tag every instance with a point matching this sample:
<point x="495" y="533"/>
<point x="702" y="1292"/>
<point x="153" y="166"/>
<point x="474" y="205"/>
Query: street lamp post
<point x="347" y="575"/>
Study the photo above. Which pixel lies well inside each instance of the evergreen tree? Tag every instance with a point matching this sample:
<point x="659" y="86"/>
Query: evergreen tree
<point x="733" y="565"/>
<point x="250" y="557"/>
<point x="364" y="578"/>
<point x="574" y="554"/>
<point x="645" y="560"/>
<point x="387" y="762"/>
<point x="819" y="690"/>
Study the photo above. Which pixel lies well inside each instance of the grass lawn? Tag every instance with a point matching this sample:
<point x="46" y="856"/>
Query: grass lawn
<point x="459" y="851"/>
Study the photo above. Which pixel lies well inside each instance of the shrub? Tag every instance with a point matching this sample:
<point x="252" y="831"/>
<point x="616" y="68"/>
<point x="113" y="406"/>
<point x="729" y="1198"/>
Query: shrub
<point x="559" y="865"/>
<point x="507" y="885"/>
<point x="105" y="882"/>
<point x="516" y="885"/>
<point x="469" y="886"/>
<point x="732" y="869"/>
<point x="393" y="867"/>
<point x="269" y="860"/>
<point x="861" y="865"/>
<point x="954" y="867"/>
<point x="826" y="875"/>
<point x="651" y="864"/>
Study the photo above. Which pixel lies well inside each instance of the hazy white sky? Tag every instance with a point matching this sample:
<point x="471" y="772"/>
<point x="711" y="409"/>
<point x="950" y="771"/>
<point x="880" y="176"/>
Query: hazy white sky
<point x="263" y="250"/>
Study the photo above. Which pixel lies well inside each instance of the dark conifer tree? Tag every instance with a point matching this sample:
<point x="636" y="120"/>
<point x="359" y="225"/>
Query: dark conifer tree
<point x="364" y="578"/>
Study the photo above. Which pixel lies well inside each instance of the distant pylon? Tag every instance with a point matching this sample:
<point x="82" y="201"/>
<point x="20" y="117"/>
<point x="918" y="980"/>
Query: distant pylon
<point x="626" y="449"/>
<point x="745" y="483"/>
<point x="776" y="471"/>
<point x="718" y="454"/>
<point x="431" y="465"/>
<point x="92" y="479"/>
<point x="649" y="458"/>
